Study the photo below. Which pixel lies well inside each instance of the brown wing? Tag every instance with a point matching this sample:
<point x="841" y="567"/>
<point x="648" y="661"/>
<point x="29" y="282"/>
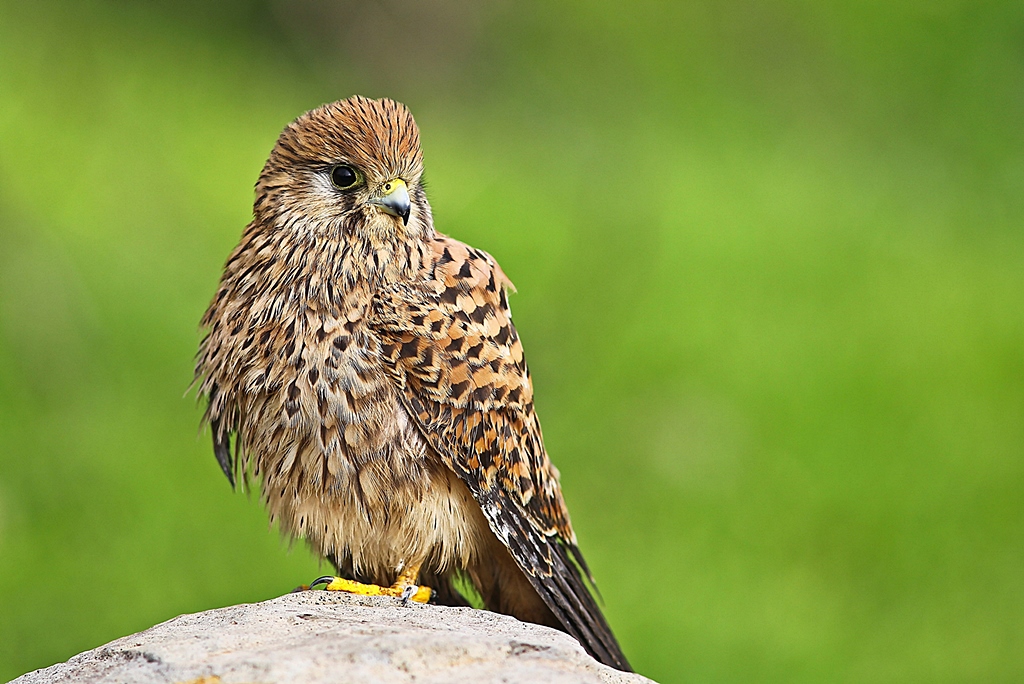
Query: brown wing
<point x="452" y="349"/>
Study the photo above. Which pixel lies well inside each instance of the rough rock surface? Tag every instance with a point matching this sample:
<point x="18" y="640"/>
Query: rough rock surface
<point x="320" y="636"/>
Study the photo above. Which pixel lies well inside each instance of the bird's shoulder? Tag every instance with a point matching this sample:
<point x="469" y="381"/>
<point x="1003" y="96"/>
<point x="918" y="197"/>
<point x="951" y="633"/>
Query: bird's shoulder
<point x="457" y="265"/>
<point x="453" y="329"/>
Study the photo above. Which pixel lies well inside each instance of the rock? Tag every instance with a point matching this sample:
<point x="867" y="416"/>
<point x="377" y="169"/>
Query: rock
<point x="319" y="636"/>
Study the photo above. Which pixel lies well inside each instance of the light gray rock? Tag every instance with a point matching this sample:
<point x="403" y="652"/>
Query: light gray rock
<point x="319" y="636"/>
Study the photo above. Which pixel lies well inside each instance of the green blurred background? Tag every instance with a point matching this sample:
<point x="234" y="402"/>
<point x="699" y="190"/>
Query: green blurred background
<point x="770" y="263"/>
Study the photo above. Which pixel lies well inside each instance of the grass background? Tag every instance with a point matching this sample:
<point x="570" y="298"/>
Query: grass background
<point x="771" y="285"/>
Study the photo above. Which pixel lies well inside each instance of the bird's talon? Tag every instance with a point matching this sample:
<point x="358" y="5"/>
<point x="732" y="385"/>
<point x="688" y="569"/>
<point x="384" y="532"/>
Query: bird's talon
<point x="326" y="579"/>
<point x="419" y="594"/>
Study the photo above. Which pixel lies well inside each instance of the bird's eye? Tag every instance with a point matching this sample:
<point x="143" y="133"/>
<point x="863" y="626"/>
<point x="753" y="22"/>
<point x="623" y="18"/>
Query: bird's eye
<point x="344" y="177"/>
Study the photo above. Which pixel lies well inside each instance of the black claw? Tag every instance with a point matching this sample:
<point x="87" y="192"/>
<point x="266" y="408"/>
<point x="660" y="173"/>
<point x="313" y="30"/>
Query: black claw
<point x="326" y="579"/>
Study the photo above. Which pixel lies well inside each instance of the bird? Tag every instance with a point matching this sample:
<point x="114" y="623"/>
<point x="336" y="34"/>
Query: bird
<point x="362" y="367"/>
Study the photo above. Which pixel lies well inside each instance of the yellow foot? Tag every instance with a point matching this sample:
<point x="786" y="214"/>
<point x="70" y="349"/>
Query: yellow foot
<point x="403" y="588"/>
<point x="410" y="592"/>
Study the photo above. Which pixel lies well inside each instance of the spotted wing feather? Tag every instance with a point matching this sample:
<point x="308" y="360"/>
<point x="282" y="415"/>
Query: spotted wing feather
<point x="451" y="347"/>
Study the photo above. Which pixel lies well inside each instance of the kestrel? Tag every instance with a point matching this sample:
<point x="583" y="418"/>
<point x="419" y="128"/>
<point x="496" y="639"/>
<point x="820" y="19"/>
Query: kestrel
<point x="367" y="368"/>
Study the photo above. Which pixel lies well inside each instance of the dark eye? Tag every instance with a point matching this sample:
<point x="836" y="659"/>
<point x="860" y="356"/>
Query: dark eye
<point x="344" y="177"/>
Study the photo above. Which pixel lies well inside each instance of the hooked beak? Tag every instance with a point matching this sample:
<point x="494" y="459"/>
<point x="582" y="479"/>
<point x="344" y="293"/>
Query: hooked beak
<point x="394" y="199"/>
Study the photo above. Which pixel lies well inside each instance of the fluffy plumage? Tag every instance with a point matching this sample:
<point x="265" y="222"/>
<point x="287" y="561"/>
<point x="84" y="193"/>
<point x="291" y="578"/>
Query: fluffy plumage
<point x="370" y="374"/>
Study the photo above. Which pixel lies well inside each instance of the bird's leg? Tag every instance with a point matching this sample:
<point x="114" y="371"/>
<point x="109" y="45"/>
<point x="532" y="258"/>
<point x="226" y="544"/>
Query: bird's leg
<point x="405" y="586"/>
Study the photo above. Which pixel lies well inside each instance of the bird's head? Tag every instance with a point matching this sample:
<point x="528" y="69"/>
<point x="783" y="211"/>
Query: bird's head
<point x="352" y="166"/>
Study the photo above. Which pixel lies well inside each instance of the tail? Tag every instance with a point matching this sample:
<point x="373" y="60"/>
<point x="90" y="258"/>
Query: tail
<point x="559" y="599"/>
